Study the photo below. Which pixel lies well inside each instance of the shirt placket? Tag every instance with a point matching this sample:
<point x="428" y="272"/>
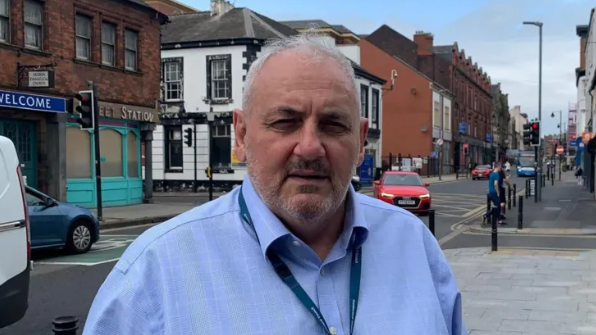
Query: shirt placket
<point x="328" y="304"/>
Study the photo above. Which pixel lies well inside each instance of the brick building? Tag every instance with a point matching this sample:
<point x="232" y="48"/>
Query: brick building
<point x="416" y="110"/>
<point x="50" y="50"/>
<point x="170" y="7"/>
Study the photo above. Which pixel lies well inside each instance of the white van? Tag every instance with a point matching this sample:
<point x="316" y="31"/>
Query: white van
<point x="15" y="240"/>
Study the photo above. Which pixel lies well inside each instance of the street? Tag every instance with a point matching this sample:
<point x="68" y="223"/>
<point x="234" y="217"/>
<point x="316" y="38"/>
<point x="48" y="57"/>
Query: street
<point x="66" y="285"/>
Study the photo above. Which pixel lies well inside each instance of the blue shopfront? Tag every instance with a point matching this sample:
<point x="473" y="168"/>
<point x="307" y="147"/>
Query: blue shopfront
<point x="32" y="121"/>
<point x="121" y="128"/>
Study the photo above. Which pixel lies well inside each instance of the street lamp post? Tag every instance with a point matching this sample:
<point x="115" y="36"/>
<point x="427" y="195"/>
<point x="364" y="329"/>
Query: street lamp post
<point x="539" y="155"/>
<point x="210" y="122"/>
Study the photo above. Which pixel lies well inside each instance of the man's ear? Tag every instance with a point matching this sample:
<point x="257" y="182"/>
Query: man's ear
<point x="239" y="134"/>
<point x="363" y="133"/>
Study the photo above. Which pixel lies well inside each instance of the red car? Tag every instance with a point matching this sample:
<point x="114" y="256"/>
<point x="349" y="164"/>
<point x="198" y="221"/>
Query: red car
<point x="481" y="171"/>
<point x="403" y="189"/>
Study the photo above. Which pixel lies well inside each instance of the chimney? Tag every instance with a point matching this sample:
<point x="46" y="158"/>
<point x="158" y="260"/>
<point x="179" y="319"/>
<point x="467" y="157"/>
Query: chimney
<point x="220" y="7"/>
<point x="424" y="41"/>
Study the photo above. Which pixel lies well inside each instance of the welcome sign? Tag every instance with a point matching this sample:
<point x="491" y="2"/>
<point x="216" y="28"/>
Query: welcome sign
<point x="33" y="102"/>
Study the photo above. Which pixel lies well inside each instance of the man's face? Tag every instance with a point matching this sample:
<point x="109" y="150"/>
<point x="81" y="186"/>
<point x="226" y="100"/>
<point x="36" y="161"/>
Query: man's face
<point x="301" y="135"/>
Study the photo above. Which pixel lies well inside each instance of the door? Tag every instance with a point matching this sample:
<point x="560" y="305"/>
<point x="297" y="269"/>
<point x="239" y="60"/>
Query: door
<point x="47" y="223"/>
<point x="24" y="136"/>
<point x="366" y="170"/>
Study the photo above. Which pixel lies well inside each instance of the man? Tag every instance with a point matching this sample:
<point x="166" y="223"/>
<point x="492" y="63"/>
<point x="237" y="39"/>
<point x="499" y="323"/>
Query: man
<point x="294" y="250"/>
<point x="495" y="187"/>
<point x="503" y="179"/>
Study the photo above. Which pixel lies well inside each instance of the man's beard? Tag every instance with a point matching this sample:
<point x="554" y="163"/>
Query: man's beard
<point x="310" y="210"/>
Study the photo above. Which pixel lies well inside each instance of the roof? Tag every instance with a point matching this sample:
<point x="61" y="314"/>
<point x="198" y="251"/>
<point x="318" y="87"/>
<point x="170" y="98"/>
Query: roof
<point x="235" y="24"/>
<point x="395" y="44"/>
<point x="439" y="49"/>
<point x="305" y="24"/>
<point x="582" y="29"/>
<point x="342" y="29"/>
<point x="140" y="3"/>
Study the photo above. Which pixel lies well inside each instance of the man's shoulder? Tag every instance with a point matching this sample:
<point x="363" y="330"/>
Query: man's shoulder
<point x="220" y="211"/>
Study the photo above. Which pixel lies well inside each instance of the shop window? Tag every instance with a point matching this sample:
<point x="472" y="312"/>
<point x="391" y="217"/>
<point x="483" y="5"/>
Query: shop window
<point x="222" y="146"/>
<point x="33" y="24"/>
<point x="133" y="155"/>
<point x="173" y="147"/>
<point x="78" y="153"/>
<point x="111" y="153"/>
<point x="375" y="109"/>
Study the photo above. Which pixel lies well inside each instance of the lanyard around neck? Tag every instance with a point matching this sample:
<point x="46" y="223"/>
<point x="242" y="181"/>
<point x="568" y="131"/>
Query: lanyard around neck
<point x="288" y="278"/>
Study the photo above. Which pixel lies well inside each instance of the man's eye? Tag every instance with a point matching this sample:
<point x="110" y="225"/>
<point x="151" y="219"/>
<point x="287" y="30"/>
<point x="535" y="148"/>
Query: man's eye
<point x="285" y="124"/>
<point x="335" y="127"/>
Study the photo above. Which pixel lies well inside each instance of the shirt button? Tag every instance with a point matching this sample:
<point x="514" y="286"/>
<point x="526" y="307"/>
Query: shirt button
<point x="296" y="243"/>
<point x="332" y="330"/>
<point x="322" y="272"/>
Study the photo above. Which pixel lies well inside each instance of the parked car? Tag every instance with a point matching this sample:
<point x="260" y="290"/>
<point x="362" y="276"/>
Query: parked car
<point x="356" y="183"/>
<point x="403" y="189"/>
<point x="15" y="242"/>
<point x="56" y="224"/>
<point x="481" y="171"/>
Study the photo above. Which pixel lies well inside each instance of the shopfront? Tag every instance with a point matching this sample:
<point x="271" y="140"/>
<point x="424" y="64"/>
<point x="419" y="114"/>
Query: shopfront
<point x="30" y="121"/>
<point x="122" y="129"/>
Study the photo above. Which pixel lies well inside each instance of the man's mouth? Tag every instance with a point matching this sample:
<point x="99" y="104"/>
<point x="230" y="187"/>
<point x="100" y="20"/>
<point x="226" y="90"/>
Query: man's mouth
<point x="308" y="175"/>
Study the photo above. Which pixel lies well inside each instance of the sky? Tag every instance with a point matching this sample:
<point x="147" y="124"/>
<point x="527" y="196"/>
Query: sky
<point x="490" y="31"/>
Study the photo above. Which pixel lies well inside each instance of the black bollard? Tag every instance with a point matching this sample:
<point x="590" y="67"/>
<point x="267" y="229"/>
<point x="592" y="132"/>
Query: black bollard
<point x="543" y="180"/>
<point x="520" y="214"/>
<point x="494" y="220"/>
<point x="514" y="194"/>
<point x="65" y="325"/>
<point x="431" y="221"/>
<point x="508" y="198"/>
<point x="552" y="179"/>
<point x="527" y="188"/>
<point x="487" y="203"/>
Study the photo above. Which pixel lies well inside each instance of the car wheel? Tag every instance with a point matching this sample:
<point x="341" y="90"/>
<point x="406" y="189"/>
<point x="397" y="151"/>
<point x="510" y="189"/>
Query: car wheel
<point x="79" y="237"/>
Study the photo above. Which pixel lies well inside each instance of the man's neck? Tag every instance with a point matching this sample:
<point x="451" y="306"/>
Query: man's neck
<point x="320" y="236"/>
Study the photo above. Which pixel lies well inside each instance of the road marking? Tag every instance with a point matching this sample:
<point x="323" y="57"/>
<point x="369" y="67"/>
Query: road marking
<point x="108" y="249"/>
<point x="477" y="233"/>
<point x="475" y="211"/>
<point x="126" y="228"/>
<point x="449" y="215"/>
<point x="464" y="227"/>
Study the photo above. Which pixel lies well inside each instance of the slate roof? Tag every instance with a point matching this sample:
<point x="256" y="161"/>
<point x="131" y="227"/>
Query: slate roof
<point x="235" y="24"/>
<point x="304" y="24"/>
<point x="140" y="3"/>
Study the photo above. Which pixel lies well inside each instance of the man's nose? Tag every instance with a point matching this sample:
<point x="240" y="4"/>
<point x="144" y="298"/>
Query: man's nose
<point x="309" y="145"/>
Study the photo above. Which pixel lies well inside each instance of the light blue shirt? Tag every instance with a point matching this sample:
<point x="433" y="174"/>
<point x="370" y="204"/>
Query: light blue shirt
<point x="203" y="272"/>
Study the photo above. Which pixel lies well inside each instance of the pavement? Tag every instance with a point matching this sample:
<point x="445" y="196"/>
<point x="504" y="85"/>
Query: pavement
<point x="167" y="205"/>
<point x="529" y="292"/>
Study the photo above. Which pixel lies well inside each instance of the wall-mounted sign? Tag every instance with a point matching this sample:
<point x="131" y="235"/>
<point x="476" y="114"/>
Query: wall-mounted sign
<point x="41" y="79"/>
<point x="128" y="112"/>
<point x="41" y="103"/>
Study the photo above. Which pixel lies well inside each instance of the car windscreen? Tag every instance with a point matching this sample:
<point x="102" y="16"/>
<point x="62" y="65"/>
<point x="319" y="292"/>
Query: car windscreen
<point x="483" y="167"/>
<point x="402" y="179"/>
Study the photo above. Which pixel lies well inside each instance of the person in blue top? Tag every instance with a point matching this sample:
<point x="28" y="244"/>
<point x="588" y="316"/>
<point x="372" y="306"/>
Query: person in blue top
<point x="495" y="188"/>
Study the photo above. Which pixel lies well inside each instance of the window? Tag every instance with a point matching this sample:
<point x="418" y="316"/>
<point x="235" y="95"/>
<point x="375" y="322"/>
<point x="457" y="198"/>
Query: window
<point x="173" y="147"/>
<point x="364" y="101"/>
<point x="172" y="78"/>
<point x="219" y="77"/>
<point x="437" y="115"/>
<point x="222" y="146"/>
<point x="447" y="119"/>
<point x="110" y="142"/>
<point x="375" y="109"/>
<point x="4" y="20"/>
<point x="131" y="41"/>
<point x="475" y="102"/>
<point x="133" y="158"/>
<point x="108" y="42"/>
<point x="33" y="24"/>
<point x="83" y="37"/>
<point x="78" y="153"/>
<point x="33" y="200"/>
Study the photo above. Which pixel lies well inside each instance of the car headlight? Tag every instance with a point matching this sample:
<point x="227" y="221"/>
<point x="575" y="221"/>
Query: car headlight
<point x="425" y="196"/>
<point x="387" y="195"/>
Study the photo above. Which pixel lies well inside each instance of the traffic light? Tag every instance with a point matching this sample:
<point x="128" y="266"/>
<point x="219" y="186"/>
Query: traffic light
<point x="466" y="148"/>
<point x="535" y="131"/>
<point x="208" y="172"/>
<point x="86" y="109"/>
<point x="188" y="137"/>
<point x="527" y="134"/>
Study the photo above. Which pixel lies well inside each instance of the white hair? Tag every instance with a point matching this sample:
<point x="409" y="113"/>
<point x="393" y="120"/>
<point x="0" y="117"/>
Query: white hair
<point x="317" y="44"/>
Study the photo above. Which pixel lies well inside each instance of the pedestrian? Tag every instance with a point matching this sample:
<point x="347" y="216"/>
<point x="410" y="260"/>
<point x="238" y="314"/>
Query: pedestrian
<point x="494" y="194"/>
<point x="503" y="179"/>
<point x="508" y="168"/>
<point x="579" y="174"/>
<point x="294" y="250"/>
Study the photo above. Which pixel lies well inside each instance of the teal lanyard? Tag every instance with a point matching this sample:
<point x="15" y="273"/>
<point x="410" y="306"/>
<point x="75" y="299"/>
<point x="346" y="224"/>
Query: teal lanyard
<point x="288" y="278"/>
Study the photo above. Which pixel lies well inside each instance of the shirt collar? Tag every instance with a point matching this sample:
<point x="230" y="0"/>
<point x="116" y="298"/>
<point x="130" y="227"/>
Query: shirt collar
<point x="269" y="228"/>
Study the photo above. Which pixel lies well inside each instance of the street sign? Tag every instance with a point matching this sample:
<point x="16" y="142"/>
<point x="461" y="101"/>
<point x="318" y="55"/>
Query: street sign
<point x="532" y="187"/>
<point x="434" y="154"/>
<point x="440" y="142"/>
<point x="560" y="150"/>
